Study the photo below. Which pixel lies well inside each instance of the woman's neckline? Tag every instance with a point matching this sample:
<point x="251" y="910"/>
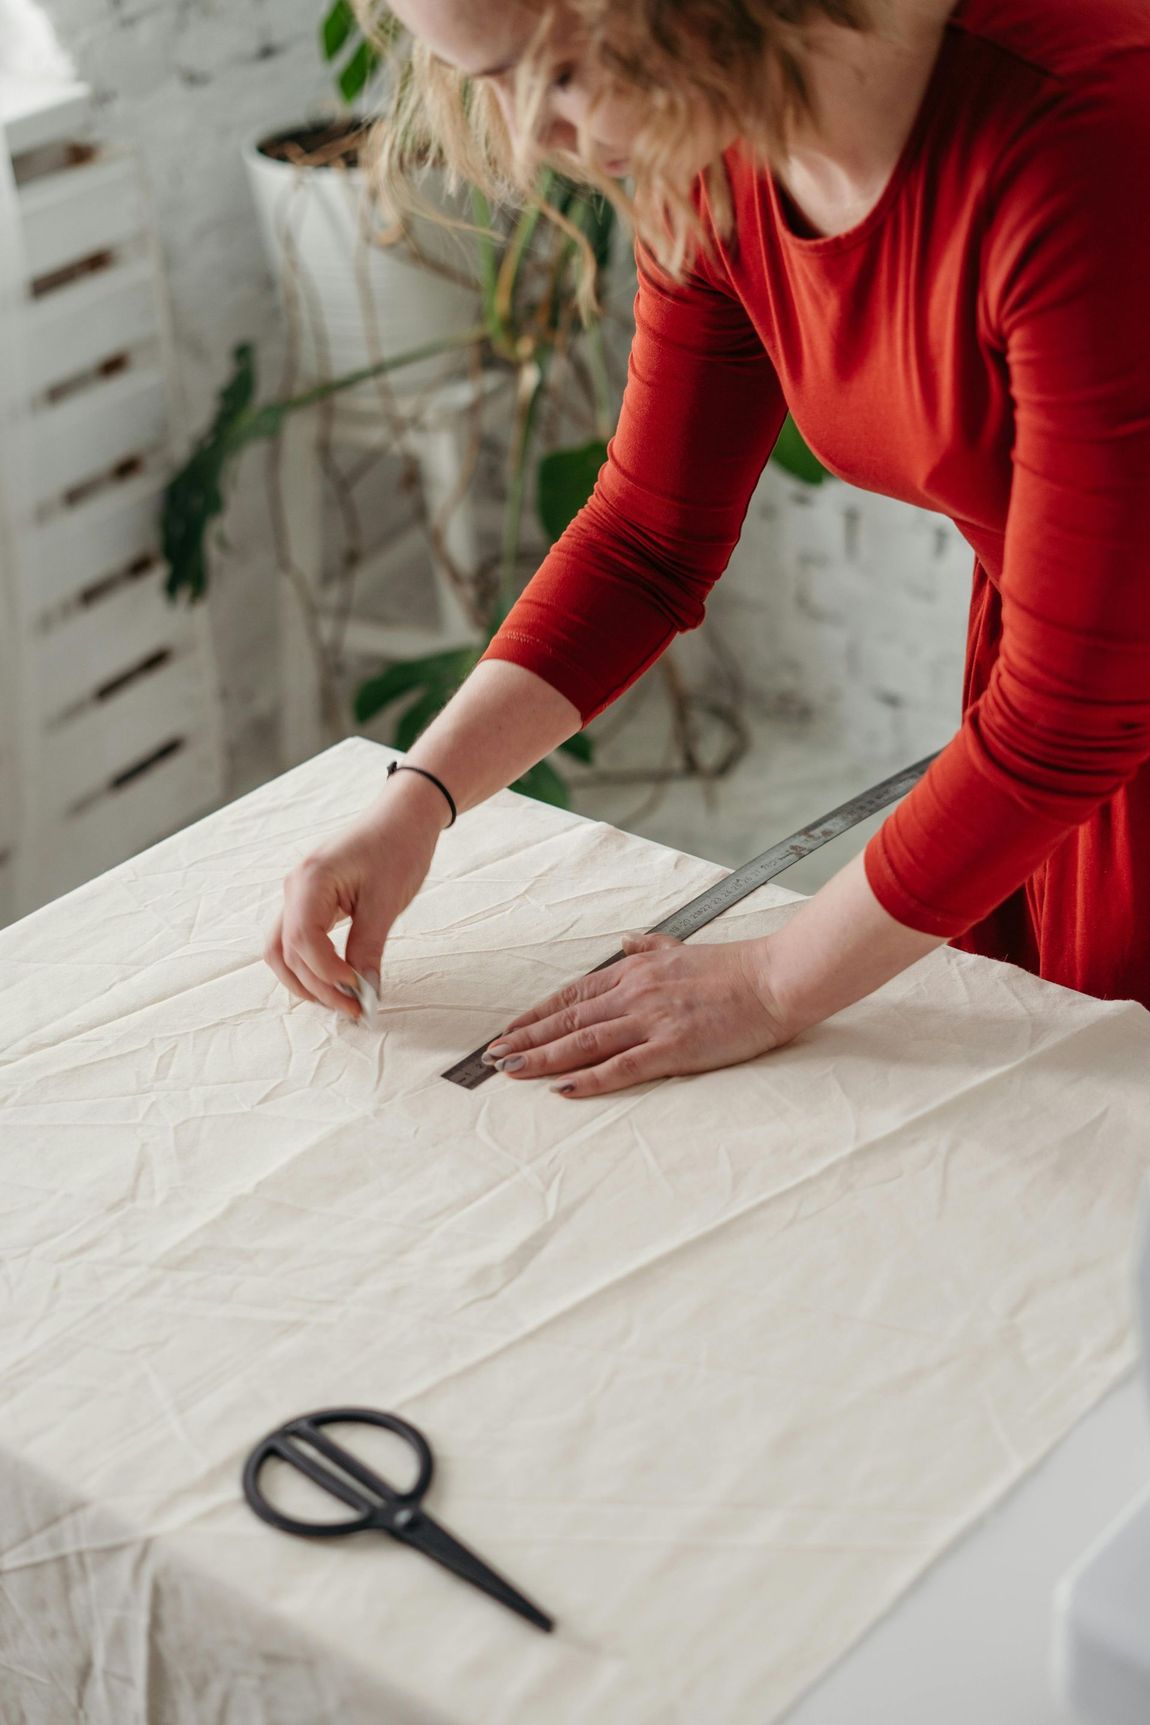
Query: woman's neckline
<point x="925" y="114"/>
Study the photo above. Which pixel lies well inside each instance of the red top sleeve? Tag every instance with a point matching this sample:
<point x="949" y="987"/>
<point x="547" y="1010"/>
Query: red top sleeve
<point x="1065" y="718"/>
<point x="700" y="415"/>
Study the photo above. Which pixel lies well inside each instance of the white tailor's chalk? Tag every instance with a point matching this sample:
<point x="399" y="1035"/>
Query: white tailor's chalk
<point x="367" y="997"/>
<point x="362" y="991"/>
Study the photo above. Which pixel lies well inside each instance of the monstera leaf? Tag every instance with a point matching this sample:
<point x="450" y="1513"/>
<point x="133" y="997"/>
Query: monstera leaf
<point x="791" y="453"/>
<point x="544" y="784"/>
<point x="434" y="677"/>
<point x="432" y="681"/>
<point x="195" y="497"/>
<point x="580" y="747"/>
<point x="566" y="480"/>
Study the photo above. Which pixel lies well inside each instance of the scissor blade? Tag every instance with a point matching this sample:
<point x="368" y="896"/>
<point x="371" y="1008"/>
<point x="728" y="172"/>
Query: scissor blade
<point x="426" y="1535"/>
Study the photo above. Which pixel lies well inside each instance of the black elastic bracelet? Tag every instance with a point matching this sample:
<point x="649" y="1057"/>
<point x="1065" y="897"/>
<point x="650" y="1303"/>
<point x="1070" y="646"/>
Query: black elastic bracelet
<point x="402" y="767"/>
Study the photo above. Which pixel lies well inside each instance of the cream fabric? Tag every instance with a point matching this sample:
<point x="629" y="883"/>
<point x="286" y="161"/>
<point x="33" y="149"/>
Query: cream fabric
<point x="712" y="1368"/>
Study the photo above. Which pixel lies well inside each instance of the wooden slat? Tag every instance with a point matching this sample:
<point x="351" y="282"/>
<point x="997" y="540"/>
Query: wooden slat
<point x="94" y="646"/>
<point x="78" y="327"/>
<point x="86" y="753"/>
<point x="89" y="433"/>
<point x="159" y="802"/>
<point x="79" y="546"/>
<point x="93" y="207"/>
<point x="33" y="114"/>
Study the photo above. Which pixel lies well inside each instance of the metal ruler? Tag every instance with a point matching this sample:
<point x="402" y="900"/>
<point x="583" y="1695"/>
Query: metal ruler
<point x="698" y="912"/>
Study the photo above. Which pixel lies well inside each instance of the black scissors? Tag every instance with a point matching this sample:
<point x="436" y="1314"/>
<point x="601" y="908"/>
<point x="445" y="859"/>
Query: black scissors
<point x="379" y="1505"/>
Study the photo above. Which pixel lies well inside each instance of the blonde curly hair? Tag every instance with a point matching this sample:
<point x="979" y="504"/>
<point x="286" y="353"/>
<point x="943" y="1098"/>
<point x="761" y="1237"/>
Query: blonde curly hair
<point x="736" y="65"/>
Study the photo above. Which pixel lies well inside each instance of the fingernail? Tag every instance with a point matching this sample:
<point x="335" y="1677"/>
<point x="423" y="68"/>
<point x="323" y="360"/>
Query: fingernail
<point x="562" y="1089"/>
<point x="493" y="1053"/>
<point x="373" y="977"/>
<point x="512" y="1064"/>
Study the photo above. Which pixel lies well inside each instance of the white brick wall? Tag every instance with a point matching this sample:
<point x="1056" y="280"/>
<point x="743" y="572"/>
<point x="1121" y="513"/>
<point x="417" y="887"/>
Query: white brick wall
<point x="838" y="599"/>
<point x="834" y="599"/>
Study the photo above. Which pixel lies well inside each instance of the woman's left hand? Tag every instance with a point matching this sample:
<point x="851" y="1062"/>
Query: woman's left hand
<point x="664" y="1010"/>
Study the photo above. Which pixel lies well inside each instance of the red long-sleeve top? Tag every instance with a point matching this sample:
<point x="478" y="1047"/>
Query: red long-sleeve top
<point x="979" y="345"/>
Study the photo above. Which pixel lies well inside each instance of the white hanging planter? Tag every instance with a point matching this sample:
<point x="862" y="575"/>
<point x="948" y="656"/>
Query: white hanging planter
<point x="346" y="279"/>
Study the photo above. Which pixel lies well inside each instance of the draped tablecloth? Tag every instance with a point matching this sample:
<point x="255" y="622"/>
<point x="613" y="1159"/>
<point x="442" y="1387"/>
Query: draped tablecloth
<point x="713" y="1367"/>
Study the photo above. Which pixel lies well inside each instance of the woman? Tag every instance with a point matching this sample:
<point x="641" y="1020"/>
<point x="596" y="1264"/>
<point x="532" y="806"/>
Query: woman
<point x="928" y="231"/>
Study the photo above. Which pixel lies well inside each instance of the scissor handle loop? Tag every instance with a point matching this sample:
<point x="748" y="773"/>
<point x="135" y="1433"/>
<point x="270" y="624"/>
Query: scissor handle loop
<point x="390" y="1504"/>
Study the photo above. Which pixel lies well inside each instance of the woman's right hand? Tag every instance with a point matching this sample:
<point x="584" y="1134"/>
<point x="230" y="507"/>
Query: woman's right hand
<point x="371" y="872"/>
<point x="502" y="721"/>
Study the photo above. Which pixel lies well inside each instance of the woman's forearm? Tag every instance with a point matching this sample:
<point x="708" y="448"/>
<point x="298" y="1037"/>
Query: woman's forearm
<point x="501" y="722"/>
<point x="837" y="948"/>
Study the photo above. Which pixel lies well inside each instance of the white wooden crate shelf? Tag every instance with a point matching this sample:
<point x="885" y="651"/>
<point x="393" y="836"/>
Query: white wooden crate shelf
<point x="88" y="321"/>
<point x="75" y="549"/>
<point x="111" y="711"/>
<point x="100" y="741"/>
<point x="92" y="433"/>
<point x="83" y="211"/>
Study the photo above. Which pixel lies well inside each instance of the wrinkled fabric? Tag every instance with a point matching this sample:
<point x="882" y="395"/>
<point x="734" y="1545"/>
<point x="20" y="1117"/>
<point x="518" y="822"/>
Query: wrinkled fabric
<point x="713" y="1368"/>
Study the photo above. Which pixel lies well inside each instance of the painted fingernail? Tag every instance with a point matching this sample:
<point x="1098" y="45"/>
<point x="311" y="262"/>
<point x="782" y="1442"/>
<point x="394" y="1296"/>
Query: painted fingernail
<point x="511" y="1064"/>
<point x="493" y="1053"/>
<point x="562" y="1089"/>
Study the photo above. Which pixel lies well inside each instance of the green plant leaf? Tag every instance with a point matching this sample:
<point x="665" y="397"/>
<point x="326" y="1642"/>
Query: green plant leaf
<point x="602" y="233"/>
<point x="791" y="453"/>
<point x="566" y="479"/>
<point x="379" y="692"/>
<point x="338" y="26"/>
<point x="580" y="746"/>
<point x="435" y="672"/>
<point x="358" y="72"/>
<point x="194" y="497"/>
<point x="560" y="192"/>
<point x="419" y="715"/>
<point x="596" y="216"/>
<point x="544" y="784"/>
<point x="483" y="217"/>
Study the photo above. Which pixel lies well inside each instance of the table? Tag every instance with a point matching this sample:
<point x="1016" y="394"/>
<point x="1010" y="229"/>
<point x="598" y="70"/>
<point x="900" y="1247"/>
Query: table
<point x="714" y="1368"/>
<point x="972" y="1640"/>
